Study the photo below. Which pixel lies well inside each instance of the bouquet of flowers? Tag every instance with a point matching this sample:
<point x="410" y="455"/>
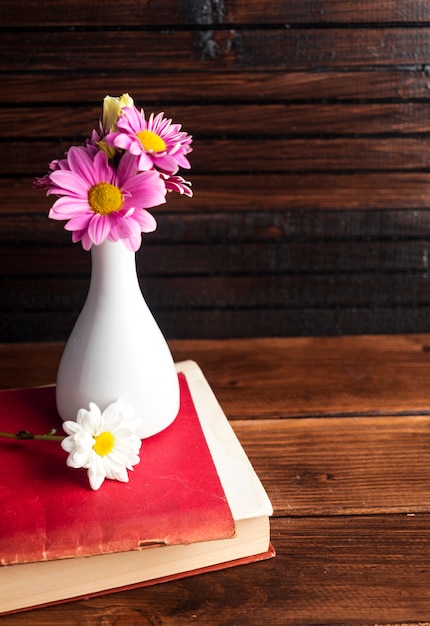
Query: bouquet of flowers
<point x="104" y="189"/>
<point x="127" y="166"/>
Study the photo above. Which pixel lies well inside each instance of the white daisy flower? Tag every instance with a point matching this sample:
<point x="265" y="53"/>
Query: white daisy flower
<point x="105" y="443"/>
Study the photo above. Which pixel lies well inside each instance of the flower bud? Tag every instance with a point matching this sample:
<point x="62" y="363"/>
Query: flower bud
<point x="112" y="108"/>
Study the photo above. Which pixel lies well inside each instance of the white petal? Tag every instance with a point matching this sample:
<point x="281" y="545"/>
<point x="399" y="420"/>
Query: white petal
<point x="77" y="460"/>
<point x="67" y="444"/>
<point x="96" y="473"/>
<point x="91" y="420"/>
<point x="119" y="420"/>
<point x="71" y="427"/>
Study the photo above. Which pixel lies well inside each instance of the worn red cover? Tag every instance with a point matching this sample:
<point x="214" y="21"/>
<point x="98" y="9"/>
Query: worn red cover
<point x="48" y="511"/>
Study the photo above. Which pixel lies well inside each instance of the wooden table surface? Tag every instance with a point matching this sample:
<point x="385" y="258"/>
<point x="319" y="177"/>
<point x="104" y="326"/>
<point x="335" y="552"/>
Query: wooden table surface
<point x="338" y="430"/>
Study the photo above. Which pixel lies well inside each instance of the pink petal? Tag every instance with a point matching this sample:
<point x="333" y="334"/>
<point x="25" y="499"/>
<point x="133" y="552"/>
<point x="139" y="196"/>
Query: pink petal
<point x="102" y="170"/>
<point x="168" y="164"/>
<point x="147" y="222"/>
<point x="131" y="121"/>
<point x="127" y="168"/>
<point x="145" y="162"/>
<point x="86" y="241"/>
<point x="133" y="243"/>
<point x="66" y="207"/>
<point x="120" y="227"/>
<point x="77" y="235"/>
<point x="110" y="138"/>
<point x="81" y="163"/>
<point x="143" y="192"/>
<point x="79" y="222"/>
<point x="98" y="228"/>
<point x="69" y="183"/>
<point x="183" y="161"/>
<point x="127" y="142"/>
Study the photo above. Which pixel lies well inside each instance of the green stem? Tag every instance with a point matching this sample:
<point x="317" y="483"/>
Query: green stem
<point x="24" y="434"/>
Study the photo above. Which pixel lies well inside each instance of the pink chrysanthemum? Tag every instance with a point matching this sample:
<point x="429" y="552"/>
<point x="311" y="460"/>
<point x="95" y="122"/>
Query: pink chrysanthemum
<point x="101" y="203"/>
<point x="156" y="141"/>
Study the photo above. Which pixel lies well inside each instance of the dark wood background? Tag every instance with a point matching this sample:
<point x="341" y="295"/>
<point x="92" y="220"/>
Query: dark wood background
<point x="311" y="162"/>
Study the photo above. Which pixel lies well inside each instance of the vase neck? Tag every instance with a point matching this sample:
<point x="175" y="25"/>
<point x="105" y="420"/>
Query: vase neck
<point x="113" y="267"/>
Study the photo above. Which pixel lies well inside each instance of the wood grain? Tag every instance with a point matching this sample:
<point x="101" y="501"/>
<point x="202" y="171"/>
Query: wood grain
<point x="226" y="49"/>
<point x="304" y="377"/>
<point x="220" y="197"/>
<point x="278" y="119"/>
<point x="327" y="570"/>
<point x="341" y="466"/>
<point x="315" y="376"/>
<point x="342" y="155"/>
<point x="208" y="85"/>
<point x="226" y="323"/>
<point x="224" y="291"/>
<point x="216" y="13"/>
<point x="310" y="163"/>
<point x="271" y="256"/>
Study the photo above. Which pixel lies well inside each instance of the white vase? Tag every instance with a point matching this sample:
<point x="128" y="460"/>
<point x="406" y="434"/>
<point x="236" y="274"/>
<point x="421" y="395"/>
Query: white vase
<point x="116" y="349"/>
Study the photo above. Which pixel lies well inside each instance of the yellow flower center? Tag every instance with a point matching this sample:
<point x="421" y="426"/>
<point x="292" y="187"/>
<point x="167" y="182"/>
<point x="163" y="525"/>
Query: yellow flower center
<point x="151" y="141"/>
<point x="105" y="198"/>
<point x="104" y="443"/>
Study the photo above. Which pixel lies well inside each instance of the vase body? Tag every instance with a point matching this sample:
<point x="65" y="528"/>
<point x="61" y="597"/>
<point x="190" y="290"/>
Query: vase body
<point x="116" y="349"/>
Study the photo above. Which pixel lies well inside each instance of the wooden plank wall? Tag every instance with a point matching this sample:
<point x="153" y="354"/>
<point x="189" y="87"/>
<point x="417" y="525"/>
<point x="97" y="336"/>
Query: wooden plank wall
<point x="310" y="167"/>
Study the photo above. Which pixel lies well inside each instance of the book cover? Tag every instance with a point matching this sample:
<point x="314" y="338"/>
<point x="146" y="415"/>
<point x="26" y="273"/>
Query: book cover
<point x="49" y="511"/>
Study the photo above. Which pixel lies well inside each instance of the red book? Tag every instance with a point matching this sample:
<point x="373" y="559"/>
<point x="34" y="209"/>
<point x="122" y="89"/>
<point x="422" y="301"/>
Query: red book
<point x="173" y="517"/>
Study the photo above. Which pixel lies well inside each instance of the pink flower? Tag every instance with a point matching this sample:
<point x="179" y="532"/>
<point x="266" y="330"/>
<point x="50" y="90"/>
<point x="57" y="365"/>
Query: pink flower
<point x="125" y="167"/>
<point x="156" y="141"/>
<point x="102" y="203"/>
<point x="178" y="184"/>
